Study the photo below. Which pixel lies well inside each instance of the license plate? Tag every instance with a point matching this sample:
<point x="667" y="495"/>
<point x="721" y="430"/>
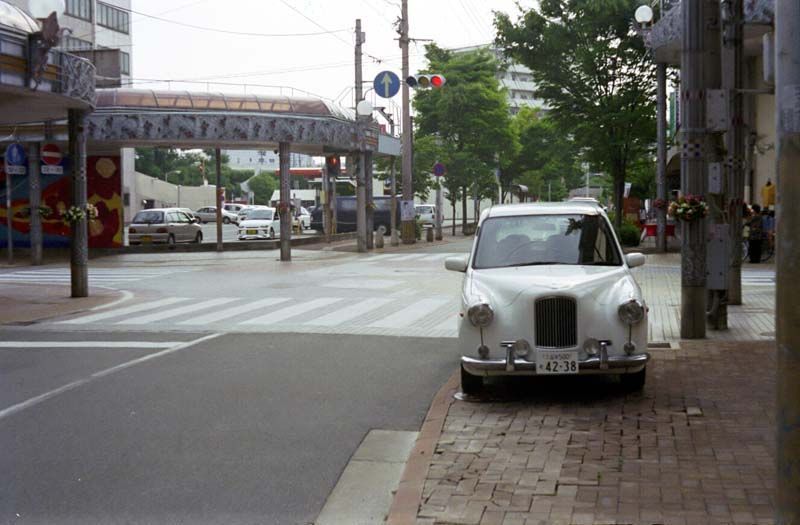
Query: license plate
<point x="556" y="362"/>
<point x="147" y="238"/>
<point x="252" y="232"/>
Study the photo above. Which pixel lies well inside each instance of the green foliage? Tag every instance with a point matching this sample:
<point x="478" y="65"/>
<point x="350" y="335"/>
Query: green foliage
<point x="262" y="186"/>
<point x="594" y="74"/>
<point x="629" y="234"/>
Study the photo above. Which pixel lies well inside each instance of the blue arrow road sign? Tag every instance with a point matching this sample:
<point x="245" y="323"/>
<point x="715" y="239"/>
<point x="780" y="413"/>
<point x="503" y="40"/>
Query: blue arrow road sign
<point x="15" y="159"/>
<point x="386" y="84"/>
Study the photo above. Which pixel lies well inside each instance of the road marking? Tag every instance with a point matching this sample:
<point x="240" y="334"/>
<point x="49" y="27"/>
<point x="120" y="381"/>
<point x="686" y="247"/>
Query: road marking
<point x="124" y="311"/>
<point x="88" y="344"/>
<point x="291" y="311"/>
<point x="410" y="313"/>
<point x="13" y="409"/>
<point x="351" y="312"/>
<point x="362" y="284"/>
<point x="409" y="257"/>
<point x="227" y="313"/>
<point x="451" y="323"/>
<point x="175" y="312"/>
<point x="126" y="296"/>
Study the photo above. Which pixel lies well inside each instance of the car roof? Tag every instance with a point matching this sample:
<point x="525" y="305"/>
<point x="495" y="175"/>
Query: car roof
<point x="544" y="208"/>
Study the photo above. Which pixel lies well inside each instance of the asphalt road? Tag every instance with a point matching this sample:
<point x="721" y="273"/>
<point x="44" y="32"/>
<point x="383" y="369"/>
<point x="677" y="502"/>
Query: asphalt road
<point x="229" y="232"/>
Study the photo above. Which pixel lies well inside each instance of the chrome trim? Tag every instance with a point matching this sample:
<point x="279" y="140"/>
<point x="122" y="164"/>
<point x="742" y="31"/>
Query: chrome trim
<point x="555" y="322"/>
<point x="603" y="355"/>
<point x="615" y="364"/>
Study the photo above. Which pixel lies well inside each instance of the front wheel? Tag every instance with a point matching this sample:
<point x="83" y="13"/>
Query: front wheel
<point x="271" y="234"/>
<point x="634" y="382"/>
<point x="198" y="238"/>
<point x="470" y="385"/>
<point x="226" y="220"/>
<point x="171" y="240"/>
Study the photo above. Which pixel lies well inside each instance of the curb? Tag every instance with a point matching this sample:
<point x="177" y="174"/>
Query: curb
<point x="409" y="493"/>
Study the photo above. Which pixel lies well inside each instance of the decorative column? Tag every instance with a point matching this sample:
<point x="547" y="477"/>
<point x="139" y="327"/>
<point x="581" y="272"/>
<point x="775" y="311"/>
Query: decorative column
<point x="370" y="202"/>
<point x="79" y="247"/>
<point x="286" y="203"/>
<point x="357" y="160"/>
<point x="35" y="200"/>
<point x="661" y="162"/>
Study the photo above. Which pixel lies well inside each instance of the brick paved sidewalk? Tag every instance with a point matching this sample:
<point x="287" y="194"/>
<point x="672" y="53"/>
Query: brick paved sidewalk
<point x="696" y="447"/>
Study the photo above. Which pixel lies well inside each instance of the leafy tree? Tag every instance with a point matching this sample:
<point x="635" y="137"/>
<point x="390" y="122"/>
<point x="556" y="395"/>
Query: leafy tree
<point x="593" y="72"/>
<point x="468" y="120"/>
<point x="263" y="186"/>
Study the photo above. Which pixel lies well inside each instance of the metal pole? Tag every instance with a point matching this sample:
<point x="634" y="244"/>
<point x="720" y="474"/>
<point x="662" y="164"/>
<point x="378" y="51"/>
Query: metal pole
<point x="409" y="234"/>
<point x="219" y="190"/>
<point x="439" y="213"/>
<point x="787" y="95"/>
<point x="361" y="202"/>
<point x="736" y="150"/>
<point x="326" y="207"/>
<point x="661" y="163"/>
<point x="286" y="205"/>
<point x="35" y="200"/>
<point x="359" y="78"/>
<point x="79" y="249"/>
<point x="9" y="221"/>
<point x="393" y="220"/>
<point x="368" y="180"/>
<point x="693" y="169"/>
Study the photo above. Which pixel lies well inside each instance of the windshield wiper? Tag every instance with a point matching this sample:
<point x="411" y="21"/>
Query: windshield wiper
<point x="537" y="263"/>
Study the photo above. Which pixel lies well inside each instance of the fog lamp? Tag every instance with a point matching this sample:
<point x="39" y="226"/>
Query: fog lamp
<point x="631" y="312"/>
<point x="591" y="346"/>
<point x="521" y="348"/>
<point x="480" y="315"/>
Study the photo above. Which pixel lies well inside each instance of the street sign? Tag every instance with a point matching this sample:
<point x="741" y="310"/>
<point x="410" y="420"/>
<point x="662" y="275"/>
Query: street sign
<point x="51" y="160"/>
<point x="407" y="211"/>
<point x="386" y="84"/>
<point x="439" y="170"/>
<point x="15" y="160"/>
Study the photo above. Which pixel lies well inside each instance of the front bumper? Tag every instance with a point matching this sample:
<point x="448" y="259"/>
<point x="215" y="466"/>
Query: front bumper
<point x="601" y="364"/>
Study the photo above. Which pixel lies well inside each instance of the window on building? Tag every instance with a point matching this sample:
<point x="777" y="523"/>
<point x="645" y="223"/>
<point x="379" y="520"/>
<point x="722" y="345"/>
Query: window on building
<point x="70" y="43"/>
<point x="125" y="63"/>
<point x="79" y="9"/>
<point x="113" y="18"/>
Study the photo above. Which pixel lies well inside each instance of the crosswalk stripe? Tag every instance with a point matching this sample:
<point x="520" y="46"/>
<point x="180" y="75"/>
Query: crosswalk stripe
<point x="409" y="257"/>
<point x="291" y="311"/>
<point x="88" y="344"/>
<point x="252" y="307"/>
<point x="410" y="313"/>
<point x="351" y="312"/>
<point x="451" y="323"/>
<point x="175" y="312"/>
<point x="124" y="311"/>
<point x="380" y="257"/>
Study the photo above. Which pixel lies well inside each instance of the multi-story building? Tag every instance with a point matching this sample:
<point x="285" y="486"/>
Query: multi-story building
<point x="515" y="78"/>
<point x="264" y="160"/>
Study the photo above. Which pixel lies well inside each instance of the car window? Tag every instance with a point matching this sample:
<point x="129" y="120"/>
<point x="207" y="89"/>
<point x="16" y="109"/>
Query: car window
<point x="149" y="217"/>
<point x="424" y="209"/>
<point x="260" y="215"/>
<point x="172" y="217"/>
<point x="546" y="239"/>
<point x="184" y="217"/>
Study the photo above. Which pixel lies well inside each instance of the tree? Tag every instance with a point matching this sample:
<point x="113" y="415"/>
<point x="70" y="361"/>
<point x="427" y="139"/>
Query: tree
<point x="263" y="186"/>
<point x="594" y="74"/>
<point x="466" y="122"/>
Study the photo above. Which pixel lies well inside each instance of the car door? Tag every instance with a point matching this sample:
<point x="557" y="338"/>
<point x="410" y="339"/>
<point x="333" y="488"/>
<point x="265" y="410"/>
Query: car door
<point x="187" y="226"/>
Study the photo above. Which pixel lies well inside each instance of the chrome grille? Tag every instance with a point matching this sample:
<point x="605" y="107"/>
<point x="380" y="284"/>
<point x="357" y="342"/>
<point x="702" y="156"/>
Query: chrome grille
<point x="556" y="322"/>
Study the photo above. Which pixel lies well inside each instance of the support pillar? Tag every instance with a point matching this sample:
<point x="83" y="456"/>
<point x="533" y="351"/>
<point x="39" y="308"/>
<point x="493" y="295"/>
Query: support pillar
<point x="787" y="96"/>
<point x="79" y="246"/>
<point x="326" y="207"/>
<point x="661" y="162"/>
<point x="361" y="202"/>
<point x="220" y="194"/>
<point x="393" y="222"/>
<point x="286" y="204"/>
<point x="370" y="202"/>
<point x="35" y="200"/>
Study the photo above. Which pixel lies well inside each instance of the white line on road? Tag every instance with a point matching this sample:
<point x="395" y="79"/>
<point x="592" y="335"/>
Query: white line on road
<point x="126" y="296"/>
<point x="13" y="409"/>
<point x="351" y="312"/>
<point x="125" y="311"/>
<point x="451" y="323"/>
<point x="88" y="344"/>
<point x="291" y="311"/>
<point x="410" y="313"/>
<point x="248" y="308"/>
<point x="175" y="312"/>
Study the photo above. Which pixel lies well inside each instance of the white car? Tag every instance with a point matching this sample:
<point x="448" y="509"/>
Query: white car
<point x="242" y="214"/>
<point x="426" y="213"/>
<point x="262" y="223"/>
<point x="548" y="291"/>
<point x="209" y="214"/>
<point x="304" y="217"/>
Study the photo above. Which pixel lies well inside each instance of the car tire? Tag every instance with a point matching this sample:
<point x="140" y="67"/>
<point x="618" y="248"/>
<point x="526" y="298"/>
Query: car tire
<point x="470" y="385"/>
<point x="198" y="238"/>
<point x="271" y="234"/>
<point x="171" y="240"/>
<point x="226" y="220"/>
<point x="634" y="382"/>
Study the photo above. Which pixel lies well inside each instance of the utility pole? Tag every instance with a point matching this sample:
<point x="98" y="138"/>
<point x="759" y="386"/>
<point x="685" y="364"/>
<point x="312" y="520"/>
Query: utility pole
<point x="358" y="158"/>
<point x="79" y="247"/>
<point x="219" y="190"/>
<point x="661" y="163"/>
<point x="693" y="169"/>
<point x="284" y="159"/>
<point x="787" y="96"/>
<point x="408" y="232"/>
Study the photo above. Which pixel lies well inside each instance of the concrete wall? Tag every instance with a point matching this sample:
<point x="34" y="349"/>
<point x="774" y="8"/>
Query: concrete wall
<point x="167" y="195"/>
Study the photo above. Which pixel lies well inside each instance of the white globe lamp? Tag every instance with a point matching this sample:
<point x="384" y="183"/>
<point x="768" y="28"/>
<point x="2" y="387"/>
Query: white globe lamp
<point x="643" y="15"/>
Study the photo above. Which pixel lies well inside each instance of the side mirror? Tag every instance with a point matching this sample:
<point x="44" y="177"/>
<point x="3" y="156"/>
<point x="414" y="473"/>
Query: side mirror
<point x="457" y="264"/>
<point x="635" y="259"/>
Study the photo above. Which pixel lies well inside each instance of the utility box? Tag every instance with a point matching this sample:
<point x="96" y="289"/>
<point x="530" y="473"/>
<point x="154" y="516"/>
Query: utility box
<point x="717" y="110"/>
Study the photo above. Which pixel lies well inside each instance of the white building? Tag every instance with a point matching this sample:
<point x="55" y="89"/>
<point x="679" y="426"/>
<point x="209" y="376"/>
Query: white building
<point x="515" y="78"/>
<point x="264" y="160"/>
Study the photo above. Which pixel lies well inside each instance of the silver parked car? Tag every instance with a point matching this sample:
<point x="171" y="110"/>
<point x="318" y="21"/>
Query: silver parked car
<point x="163" y="225"/>
<point x="209" y="214"/>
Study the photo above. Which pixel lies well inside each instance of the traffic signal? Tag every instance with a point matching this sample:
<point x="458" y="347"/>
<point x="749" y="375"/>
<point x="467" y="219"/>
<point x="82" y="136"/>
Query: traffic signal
<point x="333" y="165"/>
<point x="426" y="81"/>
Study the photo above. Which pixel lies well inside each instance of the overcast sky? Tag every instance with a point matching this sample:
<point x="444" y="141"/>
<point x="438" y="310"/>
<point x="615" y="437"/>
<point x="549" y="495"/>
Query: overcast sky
<point x="321" y="64"/>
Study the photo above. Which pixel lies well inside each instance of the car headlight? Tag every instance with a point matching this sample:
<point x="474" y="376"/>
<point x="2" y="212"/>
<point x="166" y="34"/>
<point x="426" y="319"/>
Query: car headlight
<point x="631" y="312"/>
<point x="480" y="315"/>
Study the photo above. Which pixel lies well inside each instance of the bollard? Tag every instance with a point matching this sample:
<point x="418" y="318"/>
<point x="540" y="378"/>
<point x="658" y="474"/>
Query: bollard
<point x="429" y="234"/>
<point x="379" y="236"/>
<point x="395" y="237"/>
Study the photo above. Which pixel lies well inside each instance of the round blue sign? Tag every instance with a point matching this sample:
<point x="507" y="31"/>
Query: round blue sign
<point x="15" y="155"/>
<point x="439" y="169"/>
<point x="386" y="84"/>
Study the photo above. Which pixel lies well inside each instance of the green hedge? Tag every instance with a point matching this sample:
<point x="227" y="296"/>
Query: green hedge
<point x="629" y="234"/>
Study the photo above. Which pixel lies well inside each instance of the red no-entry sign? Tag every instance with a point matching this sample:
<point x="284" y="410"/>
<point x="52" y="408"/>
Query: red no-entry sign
<point x="51" y="160"/>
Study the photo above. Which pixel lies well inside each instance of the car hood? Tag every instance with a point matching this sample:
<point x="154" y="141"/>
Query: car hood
<point x="255" y="223"/>
<point x="503" y="286"/>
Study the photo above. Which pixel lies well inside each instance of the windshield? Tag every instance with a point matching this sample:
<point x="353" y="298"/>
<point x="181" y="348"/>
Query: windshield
<point x="546" y="239"/>
<point x="260" y="215"/>
<point x="148" y="217"/>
